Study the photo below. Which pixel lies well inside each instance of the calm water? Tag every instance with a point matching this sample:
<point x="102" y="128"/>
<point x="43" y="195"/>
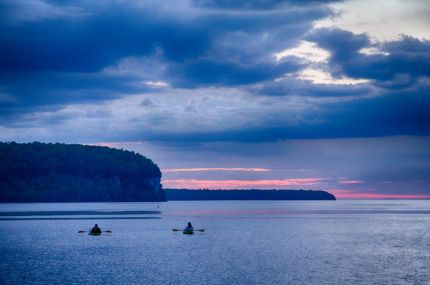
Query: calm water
<point x="249" y="242"/>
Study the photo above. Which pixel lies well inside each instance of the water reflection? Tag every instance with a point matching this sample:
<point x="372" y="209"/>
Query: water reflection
<point x="77" y="215"/>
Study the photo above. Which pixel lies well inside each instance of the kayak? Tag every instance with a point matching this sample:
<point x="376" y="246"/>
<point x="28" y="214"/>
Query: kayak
<point x="94" y="234"/>
<point x="188" y="232"/>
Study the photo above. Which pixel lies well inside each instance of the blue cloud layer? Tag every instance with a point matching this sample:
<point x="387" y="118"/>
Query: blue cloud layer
<point x="54" y="56"/>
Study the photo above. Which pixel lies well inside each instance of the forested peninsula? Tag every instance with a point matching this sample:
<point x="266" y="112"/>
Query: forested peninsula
<point x="39" y="172"/>
<point x="252" y="194"/>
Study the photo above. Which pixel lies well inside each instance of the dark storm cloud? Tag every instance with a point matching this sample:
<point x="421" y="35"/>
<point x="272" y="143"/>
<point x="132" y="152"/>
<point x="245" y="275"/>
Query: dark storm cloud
<point x="297" y="87"/>
<point x="31" y="91"/>
<point x="403" y="112"/>
<point x="109" y="33"/>
<point x="54" y="54"/>
<point x="406" y="56"/>
<point x="395" y="113"/>
<point x="89" y="43"/>
<point x="212" y="72"/>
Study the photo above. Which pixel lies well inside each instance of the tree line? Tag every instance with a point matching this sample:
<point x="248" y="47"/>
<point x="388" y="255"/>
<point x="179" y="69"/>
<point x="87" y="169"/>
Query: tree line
<point x="39" y="172"/>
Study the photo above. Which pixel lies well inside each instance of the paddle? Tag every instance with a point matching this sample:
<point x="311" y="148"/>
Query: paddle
<point x="199" y="230"/>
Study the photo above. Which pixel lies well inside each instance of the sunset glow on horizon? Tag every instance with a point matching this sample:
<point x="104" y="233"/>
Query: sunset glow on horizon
<point x="239" y="184"/>
<point x="173" y="170"/>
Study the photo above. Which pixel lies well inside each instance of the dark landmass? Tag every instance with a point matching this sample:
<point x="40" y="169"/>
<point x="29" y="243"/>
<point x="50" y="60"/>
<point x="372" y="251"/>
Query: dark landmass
<point x="38" y="172"/>
<point x="254" y="194"/>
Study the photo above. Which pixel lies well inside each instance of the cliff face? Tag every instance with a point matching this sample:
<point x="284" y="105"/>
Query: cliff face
<point x="38" y="172"/>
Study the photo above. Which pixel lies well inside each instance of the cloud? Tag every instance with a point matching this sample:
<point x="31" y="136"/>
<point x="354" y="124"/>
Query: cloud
<point x="99" y="40"/>
<point x="257" y="4"/>
<point x="406" y="56"/>
<point x="83" y="52"/>
<point x="240" y="184"/>
<point x="205" y="115"/>
<point x="381" y="21"/>
<point x="51" y="91"/>
<point x="156" y="84"/>
<point x="388" y="165"/>
<point x="351" y="182"/>
<point x="123" y="29"/>
<point x="204" y="169"/>
<point x="198" y="73"/>
<point x="306" y="51"/>
<point x="291" y="86"/>
<point x="19" y="11"/>
<point x="215" y="73"/>
<point x="147" y="102"/>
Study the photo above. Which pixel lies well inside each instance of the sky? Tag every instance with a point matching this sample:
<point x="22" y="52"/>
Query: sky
<point x="329" y="95"/>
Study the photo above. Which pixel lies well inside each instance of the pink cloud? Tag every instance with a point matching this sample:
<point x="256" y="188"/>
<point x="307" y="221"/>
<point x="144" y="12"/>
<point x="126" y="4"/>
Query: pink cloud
<point x="216" y="169"/>
<point x="351" y="182"/>
<point x="239" y="184"/>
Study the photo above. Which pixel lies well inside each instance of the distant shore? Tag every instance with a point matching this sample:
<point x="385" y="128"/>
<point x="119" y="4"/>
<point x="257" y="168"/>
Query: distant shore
<point x="254" y="194"/>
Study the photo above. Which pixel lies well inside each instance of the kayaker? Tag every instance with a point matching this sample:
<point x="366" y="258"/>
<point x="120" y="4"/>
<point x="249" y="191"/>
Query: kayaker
<point x="96" y="229"/>
<point x="189" y="228"/>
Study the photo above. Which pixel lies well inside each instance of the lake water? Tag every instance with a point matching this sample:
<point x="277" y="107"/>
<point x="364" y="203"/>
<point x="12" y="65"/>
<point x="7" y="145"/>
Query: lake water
<point x="245" y="242"/>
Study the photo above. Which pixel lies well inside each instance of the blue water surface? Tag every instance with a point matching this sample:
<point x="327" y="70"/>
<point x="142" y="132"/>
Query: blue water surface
<point x="245" y="242"/>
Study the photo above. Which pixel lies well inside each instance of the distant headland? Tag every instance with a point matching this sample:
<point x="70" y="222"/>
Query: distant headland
<point x="252" y="194"/>
<point x="39" y="172"/>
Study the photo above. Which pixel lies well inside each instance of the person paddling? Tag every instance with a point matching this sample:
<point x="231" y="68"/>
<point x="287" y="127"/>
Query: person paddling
<point x="189" y="228"/>
<point x="96" y="229"/>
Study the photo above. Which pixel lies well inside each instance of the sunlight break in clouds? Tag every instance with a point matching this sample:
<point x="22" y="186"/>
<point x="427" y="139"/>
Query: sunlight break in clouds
<point x="239" y="184"/>
<point x="156" y="84"/>
<point x="318" y="76"/>
<point x="307" y="51"/>
<point x="172" y="170"/>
